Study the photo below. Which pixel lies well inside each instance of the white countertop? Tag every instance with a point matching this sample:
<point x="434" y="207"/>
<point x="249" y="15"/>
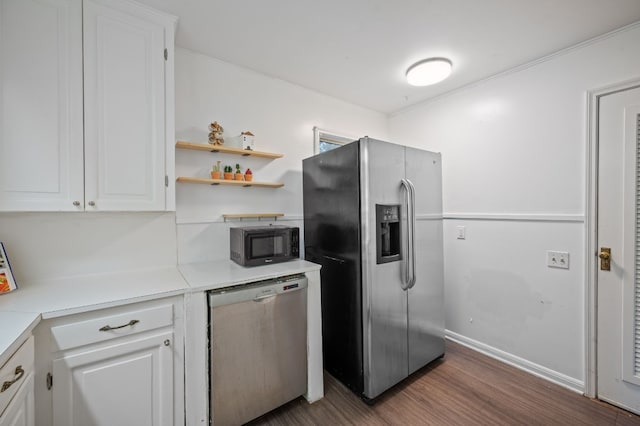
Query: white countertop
<point x="215" y="275"/>
<point x="16" y="327"/>
<point x="72" y="295"/>
<point x="22" y="310"/>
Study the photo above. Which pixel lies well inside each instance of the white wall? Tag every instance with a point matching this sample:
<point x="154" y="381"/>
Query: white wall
<point x="514" y="161"/>
<point x="282" y="117"/>
<point x="41" y="246"/>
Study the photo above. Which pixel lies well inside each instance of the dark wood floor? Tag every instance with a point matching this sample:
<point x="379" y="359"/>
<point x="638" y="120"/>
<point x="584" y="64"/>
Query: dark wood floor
<point x="465" y="388"/>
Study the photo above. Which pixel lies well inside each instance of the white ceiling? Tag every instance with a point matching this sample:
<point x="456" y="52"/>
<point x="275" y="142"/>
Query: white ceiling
<point x="359" y="50"/>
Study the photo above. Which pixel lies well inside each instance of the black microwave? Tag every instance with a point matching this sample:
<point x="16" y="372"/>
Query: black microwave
<point x="262" y="245"/>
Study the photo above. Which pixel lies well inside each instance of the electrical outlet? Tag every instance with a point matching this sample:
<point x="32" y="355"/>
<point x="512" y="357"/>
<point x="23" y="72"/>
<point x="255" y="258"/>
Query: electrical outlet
<point x="558" y="259"/>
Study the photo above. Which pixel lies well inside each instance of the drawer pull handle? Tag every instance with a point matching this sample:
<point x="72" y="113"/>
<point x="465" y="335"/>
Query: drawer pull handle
<point x="129" y="324"/>
<point x="19" y="373"/>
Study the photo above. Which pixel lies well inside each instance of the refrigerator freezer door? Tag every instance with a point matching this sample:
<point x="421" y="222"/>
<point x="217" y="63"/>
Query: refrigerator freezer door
<point x="332" y="239"/>
<point x="426" y="297"/>
<point x="384" y="301"/>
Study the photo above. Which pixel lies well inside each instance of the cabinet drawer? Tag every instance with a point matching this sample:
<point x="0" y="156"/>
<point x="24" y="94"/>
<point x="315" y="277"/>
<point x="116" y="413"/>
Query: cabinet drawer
<point x="15" y="371"/>
<point x="108" y="327"/>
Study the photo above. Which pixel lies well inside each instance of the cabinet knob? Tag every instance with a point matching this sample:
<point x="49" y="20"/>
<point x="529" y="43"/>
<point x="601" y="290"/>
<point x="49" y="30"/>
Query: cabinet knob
<point x="167" y="342"/>
<point x="92" y="203"/>
<point x="76" y="203"/>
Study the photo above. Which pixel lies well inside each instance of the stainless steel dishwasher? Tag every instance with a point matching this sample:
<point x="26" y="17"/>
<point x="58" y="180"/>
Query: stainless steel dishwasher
<point x="258" y="357"/>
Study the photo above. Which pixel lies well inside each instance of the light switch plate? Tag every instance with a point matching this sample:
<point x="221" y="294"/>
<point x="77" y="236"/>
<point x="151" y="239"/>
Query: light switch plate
<point x="558" y="259"/>
<point x="462" y="232"/>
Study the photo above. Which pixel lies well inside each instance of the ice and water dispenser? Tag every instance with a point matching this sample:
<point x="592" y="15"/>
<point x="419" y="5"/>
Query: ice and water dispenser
<point x="388" y="233"/>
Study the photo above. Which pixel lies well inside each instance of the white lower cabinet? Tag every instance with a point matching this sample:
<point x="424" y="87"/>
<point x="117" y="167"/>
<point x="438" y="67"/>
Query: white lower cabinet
<point x="121" y="384"/>
<point x="20" y="411"/>
<point x="118" y="366"/>
<point x="16" y="387"/>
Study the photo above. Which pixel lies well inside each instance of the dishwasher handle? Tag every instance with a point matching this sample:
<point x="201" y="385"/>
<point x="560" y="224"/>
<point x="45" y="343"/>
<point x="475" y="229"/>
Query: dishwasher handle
<point x="257" y="292"/>
<point x="265" y="297"/>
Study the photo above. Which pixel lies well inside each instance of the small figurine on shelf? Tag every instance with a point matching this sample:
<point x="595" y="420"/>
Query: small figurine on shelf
<point x="215" y="171"/>
<point x="215" y="134"/>
<point x="228" y="173"/>
<point x="248" y="175"/>
<point x="238" y="173"/>
<point x="247" y="140"/>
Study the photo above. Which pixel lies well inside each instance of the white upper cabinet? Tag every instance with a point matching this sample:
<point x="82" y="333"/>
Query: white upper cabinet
<point x="124" y="106"/>
<point x="121" y="159"/>
<point x="41" y="153"/>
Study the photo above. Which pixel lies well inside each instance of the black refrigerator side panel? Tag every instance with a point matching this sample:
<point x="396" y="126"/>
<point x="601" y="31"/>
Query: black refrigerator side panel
<point x="332" y="239"/>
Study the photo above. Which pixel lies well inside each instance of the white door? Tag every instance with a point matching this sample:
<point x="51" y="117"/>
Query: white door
<point x="41" y="131"/>
<point x="618" y="333"/>
<point x="125" y="384"/>
<point x="124" y="89"/>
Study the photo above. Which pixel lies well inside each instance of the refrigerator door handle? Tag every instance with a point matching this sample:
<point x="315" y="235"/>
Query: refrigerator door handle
<point x="413" y="234"/>
<point x="406" y="282"/>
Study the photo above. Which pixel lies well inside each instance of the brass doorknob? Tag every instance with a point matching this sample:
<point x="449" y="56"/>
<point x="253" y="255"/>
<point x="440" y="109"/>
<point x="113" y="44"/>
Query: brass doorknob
<point x="605" y="258"/>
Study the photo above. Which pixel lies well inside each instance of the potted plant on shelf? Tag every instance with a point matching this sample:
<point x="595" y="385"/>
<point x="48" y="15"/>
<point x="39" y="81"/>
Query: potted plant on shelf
<point x="228" y="173"/>
<point x="248" y="175"/>
<point x="238" y="173"/>
<point x="215" y="171"/>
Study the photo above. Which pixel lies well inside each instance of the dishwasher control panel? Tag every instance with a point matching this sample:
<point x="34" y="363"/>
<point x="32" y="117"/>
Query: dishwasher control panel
<point x="290" y="286"/>
<point x="257" y="291"/>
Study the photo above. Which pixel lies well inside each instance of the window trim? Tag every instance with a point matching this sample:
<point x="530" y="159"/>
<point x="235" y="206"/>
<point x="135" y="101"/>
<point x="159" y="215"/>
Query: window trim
<point x="338" y="138"/>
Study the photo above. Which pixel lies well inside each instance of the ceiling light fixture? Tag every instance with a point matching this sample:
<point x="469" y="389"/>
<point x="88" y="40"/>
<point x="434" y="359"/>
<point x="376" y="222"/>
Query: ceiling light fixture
<point x="429" y="71"/>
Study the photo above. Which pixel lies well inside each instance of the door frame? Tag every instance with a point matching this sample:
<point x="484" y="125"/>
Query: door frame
<point x="591" y="231"/>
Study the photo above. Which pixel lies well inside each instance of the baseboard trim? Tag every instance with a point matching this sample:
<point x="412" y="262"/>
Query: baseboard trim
<point x="520" y="363"/>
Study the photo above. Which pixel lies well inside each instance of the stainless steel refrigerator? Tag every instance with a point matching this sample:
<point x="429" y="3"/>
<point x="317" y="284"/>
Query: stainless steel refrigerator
<point x="373" y="220"/>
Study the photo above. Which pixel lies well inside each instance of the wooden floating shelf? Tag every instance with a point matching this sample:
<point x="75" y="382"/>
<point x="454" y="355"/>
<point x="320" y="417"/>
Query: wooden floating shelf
<point x="229" y="182"/>
<point x="253" y="216"/>
<point x="225" y="150"/>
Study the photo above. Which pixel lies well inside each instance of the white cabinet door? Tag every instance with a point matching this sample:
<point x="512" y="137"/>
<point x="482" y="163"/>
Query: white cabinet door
<point x="119" y="158"/>
<point x="123" y="384"/>
<point x="41" y="105"/>
<point x="20" y="411"/>
<point x="124" y="89"/>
